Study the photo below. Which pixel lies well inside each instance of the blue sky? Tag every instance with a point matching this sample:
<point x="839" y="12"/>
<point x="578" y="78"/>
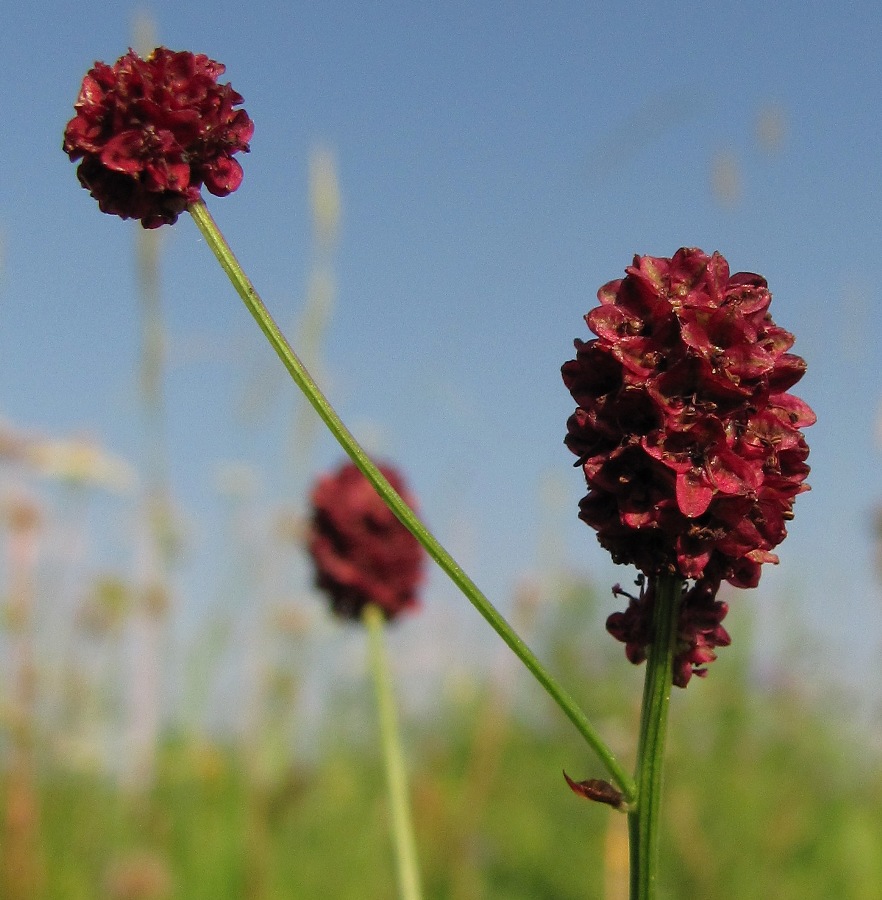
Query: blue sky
<point x="497" y="162"/>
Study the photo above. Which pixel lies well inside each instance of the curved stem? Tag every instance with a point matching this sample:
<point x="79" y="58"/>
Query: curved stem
<point x="393" y="500"/>
<point x="396" y="779"/>
<point x="644" y="819"/>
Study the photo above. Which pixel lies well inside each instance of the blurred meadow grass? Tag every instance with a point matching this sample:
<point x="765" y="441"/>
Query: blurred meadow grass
<point x="765" y="798"/>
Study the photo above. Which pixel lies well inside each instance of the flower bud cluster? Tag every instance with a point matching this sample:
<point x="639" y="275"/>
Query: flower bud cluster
<point x="150" y="132"/>
<point x="699" y="628"/>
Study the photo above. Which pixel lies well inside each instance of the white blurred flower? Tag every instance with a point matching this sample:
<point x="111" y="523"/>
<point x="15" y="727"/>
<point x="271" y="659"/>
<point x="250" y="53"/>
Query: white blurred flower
<point x="80" y="461"/>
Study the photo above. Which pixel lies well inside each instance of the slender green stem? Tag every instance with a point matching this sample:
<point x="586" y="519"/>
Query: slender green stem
<point x="644" y="818"/>
<point x="390" y="737"/>
<point x="304" y="381"/>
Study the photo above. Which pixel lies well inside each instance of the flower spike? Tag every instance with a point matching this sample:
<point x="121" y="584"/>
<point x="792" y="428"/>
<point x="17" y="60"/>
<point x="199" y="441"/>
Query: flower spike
<point x="690" y="444"/>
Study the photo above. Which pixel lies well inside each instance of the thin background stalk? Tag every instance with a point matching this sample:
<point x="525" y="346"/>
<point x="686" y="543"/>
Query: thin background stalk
<point x="390" y="738"/>
<point x="22" y="867"/>
<point x="156" y="552"/>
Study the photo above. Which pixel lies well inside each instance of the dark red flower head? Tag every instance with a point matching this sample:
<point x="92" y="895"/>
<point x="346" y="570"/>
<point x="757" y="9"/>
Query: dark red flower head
<point x="361" y="552"/>
<point x="150" y="132"/>
<point x="690" y="444"/>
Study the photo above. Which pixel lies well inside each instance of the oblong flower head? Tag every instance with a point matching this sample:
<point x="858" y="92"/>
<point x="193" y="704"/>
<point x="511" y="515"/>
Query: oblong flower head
<point x="360" y="551"/>
<point x="691" y="446"/>
<point x="150" y="132"/>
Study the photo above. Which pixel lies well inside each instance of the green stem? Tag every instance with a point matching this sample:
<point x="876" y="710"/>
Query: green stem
<point x="390" y="737"/>
<point x="644" y="818"/>
<point x="304" y="381"/>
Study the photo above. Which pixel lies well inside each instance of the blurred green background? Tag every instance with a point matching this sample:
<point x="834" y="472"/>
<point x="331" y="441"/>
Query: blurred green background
<point x="770" y="793"/>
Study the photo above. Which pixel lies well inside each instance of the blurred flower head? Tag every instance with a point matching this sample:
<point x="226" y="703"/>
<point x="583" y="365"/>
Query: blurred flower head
<point x="150" y="132"/>
<point x="688" y="438"/>
<point x="361" y="552"/>
<point x="81" y="462"/>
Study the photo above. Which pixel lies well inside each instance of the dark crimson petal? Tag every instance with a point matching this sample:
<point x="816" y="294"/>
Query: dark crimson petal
<point x="640" y="357"/>
<point x="166" y="175"/>
<point x="688" y="271"/>
<point x="124" y="152"/>
<point x="594" y="373"/>
<point x="241" y="128"/>
<point x="223" y="177"/>
<point x="788" y="370"/>
<point x="650" y="275"/>
<point x="694" y="494"/>
<point x="633" y="409"/>
<point x="746" y="573"/>
<point x="798" y="411"/>
<point x="588" y="438"/>
<point x="776" y="340"/>
<point x="612" y="322"/>
<point x="730" y="474"/>
<point x="694" y="330"/>
<point x="748" y="292"/>
<point x="746" y="362"/>
<point x="717" y="277"/>
<point x="608" y="294"/>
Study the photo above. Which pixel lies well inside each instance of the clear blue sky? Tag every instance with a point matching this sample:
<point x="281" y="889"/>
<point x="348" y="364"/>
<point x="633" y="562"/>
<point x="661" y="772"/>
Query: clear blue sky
<point x="498" y="162"/>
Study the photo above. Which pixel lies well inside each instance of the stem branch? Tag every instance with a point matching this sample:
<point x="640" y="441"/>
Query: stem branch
<point x="304" y="381"/>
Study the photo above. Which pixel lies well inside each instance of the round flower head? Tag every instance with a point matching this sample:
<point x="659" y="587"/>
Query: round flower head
<point x="361" y="552"/>
<point x="150" y="132"/>
<point x="690" y="444"/>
